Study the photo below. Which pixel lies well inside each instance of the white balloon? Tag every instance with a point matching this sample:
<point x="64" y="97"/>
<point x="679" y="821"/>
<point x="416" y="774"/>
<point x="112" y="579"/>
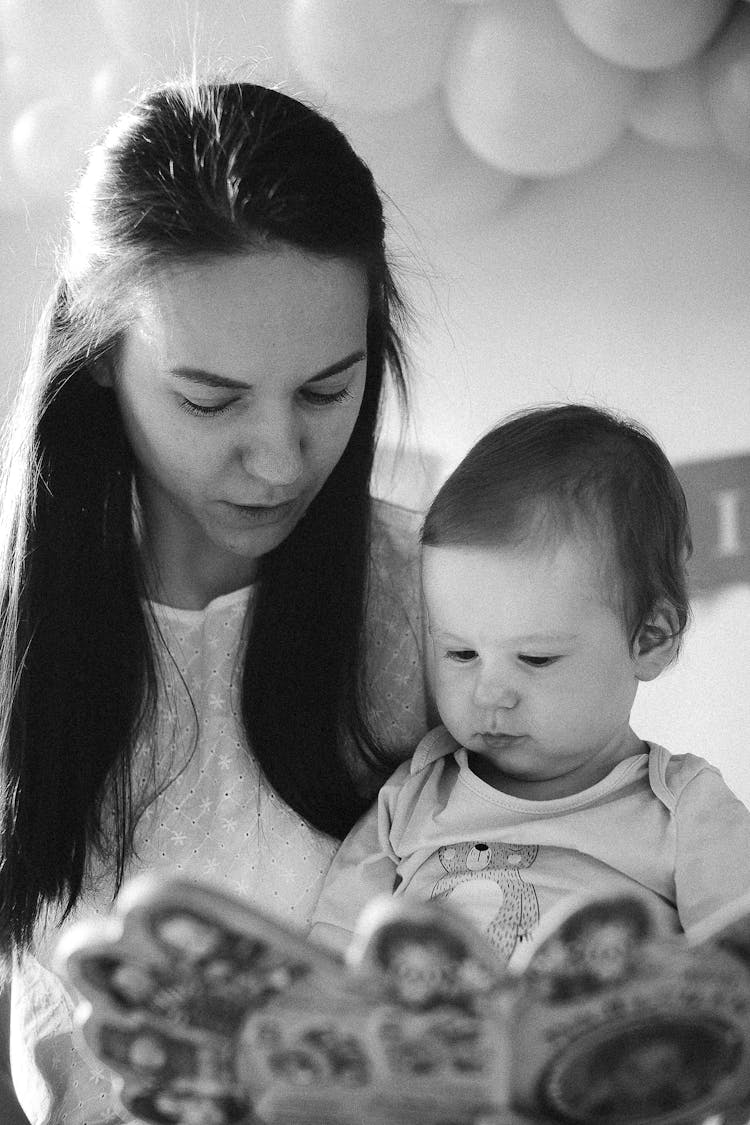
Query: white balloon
<point x="47" y="146"/>
<point x="53" y="123"/>
<point x="61" y="42"/>
<point x="647" y="34"/>
<point x="672" y="108"/>
<point x="404" y="150"/>
<point x="728" y="84"/>
<point x="527" y="96"/>
<point x="111" y="90"/>
<point x="374" y="57"/>
<point x="29" y="77"/>
<point x="17" y="88"/>
<point x="10" y="107"/>
<point x="427" y="175"/>
<point x="241" y="38"/>
<point x="465" y="194"/>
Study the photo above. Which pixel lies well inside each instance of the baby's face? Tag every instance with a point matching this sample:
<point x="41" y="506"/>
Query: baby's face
<point x="533" y="671"/>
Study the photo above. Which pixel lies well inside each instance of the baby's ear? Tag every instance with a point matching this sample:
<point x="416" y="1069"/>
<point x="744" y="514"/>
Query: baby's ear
<point x="656" y="644"/>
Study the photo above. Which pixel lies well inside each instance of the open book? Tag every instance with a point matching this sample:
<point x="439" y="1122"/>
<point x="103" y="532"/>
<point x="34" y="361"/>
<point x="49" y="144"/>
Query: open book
<point x="210" y="1013"/>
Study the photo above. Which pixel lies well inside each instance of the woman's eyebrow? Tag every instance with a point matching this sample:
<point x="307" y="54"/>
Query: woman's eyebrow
<point x="211" y="379"/>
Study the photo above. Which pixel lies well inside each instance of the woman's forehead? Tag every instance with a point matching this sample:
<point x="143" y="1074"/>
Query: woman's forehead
<point x="244" y="315"/>
<point x="239" y="281"/>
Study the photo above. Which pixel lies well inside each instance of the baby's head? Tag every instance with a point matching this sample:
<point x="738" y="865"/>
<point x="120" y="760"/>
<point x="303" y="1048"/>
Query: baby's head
<point x="554" y="580"/>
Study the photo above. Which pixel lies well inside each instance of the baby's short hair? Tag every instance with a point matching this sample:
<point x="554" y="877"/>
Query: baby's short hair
<point x="551" y="472"/>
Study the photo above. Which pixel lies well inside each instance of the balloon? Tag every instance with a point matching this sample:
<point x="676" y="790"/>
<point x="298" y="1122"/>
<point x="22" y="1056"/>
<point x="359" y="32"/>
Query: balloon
<point x="428" y="177"/>
<point x="14" y="97"/>
<point x="240" y="38"/>
<point x="10" y="195"/>
<point x="47" y="136"/>
<point x="16" y="91"/>
<point x="376" y="57"/>
<point x="728" y="84"/>
<point x="672" y="108"/>
<point x="647" y="34"/>
<point x="61" y="43"/>
<point x="47" y="147"/>
<point x="404" y="150"/>
<point x="110" y="90"/>
<point x="465" y="193"/>
<point x="527" y="96"/>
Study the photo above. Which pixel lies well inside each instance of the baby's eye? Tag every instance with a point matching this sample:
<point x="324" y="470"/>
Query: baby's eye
<point x="460" y="655"/>
<point x="537" y="661"/>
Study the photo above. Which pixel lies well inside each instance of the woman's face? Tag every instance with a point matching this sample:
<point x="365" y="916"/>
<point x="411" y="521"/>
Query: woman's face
<point x="239" y="383"/>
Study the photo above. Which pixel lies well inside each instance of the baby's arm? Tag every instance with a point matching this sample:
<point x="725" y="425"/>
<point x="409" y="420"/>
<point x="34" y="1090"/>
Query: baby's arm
<point x="712" y="867"/>
<point x="364" y="866"/>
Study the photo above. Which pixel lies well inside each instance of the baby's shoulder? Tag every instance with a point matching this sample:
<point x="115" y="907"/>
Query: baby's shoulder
<point x="670" y="774"/>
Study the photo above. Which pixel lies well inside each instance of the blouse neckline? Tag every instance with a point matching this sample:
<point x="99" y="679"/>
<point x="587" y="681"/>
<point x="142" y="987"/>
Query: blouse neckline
<point x="231" y="600"/>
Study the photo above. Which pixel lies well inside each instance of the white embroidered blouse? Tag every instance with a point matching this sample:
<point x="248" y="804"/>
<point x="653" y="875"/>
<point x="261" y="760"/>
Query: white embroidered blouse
<point x="215" y="819"/>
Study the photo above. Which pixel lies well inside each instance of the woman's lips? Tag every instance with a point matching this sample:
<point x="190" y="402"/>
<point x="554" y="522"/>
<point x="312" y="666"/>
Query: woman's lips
<point x="263" y="513"/>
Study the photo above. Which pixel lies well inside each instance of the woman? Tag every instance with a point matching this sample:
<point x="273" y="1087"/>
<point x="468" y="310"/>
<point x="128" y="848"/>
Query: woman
<point x="191" y="562"/>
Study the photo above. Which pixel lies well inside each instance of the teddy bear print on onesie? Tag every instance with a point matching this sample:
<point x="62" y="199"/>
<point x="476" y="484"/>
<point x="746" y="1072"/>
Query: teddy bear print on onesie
<point x="485" y="881"/>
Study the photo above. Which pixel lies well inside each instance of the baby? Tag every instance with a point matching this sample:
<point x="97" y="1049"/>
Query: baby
<point x="553" y="569"/>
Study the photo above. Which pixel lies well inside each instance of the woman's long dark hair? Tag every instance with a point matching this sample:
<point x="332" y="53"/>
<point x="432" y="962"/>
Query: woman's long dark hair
<point x="191" y="173"/>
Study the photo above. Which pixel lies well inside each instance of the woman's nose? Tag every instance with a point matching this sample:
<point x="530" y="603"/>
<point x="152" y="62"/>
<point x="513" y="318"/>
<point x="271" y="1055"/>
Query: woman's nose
<point x="272" y="449"/>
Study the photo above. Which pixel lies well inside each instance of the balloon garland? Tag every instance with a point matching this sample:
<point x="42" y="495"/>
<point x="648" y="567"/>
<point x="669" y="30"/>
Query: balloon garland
<point x="513" y="88"/>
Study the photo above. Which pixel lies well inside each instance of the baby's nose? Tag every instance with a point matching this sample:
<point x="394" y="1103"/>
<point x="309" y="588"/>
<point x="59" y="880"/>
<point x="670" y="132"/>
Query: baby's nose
<point x="493" y="694"/>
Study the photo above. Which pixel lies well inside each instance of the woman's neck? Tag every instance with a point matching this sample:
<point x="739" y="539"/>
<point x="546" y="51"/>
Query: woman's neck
<point x="186" y="575"/>
<point x="190" y="594"/>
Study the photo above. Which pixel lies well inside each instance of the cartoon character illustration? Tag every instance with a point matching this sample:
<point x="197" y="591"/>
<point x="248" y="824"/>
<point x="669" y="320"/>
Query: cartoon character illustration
<point x="422" y="966"/>
<point x="311" y="1054"/>
<point x="435" y="1026"/>
<point x="212" y="979"/>
<point x="516" y="913"/>
<point x="598" y="946"/>
<point x="613" y="1016"/>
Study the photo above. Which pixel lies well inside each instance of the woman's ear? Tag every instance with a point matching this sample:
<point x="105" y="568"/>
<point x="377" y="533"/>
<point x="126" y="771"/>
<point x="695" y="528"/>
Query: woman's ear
<point x="656" y="644"/>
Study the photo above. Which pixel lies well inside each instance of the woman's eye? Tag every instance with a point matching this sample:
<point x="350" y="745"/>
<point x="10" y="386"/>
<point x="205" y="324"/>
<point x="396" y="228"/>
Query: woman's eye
<point x="204" y="411"/>
<point x="537" y="661"/>
<point x="460" y="655"/>
<point x="325" y="398"/>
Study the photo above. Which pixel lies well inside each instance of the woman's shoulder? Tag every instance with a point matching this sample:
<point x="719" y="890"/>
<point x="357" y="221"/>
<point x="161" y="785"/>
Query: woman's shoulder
<point x="395" y="679"/>
<point x="395" y="530"/>
<point x="394" y="558"/>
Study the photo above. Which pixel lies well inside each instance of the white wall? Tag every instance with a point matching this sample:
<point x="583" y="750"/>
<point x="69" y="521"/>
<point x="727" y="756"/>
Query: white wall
<point x="626" y="284"/>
